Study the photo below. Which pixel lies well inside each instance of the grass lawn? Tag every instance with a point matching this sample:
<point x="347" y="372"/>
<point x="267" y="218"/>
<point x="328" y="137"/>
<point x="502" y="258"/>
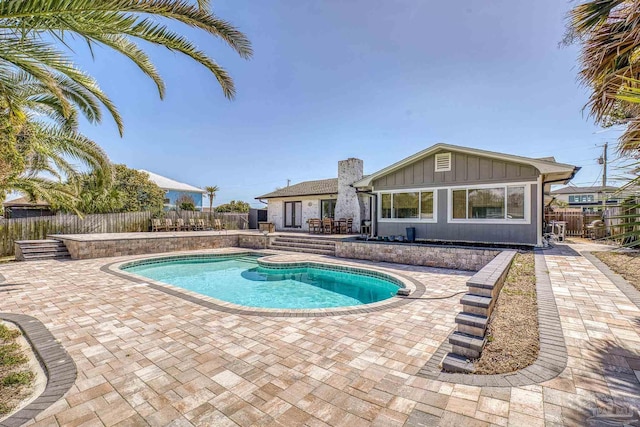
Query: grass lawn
<point x="512" y="336"/>
<point x="626" y="264"/>
<point x="16" y="380"/>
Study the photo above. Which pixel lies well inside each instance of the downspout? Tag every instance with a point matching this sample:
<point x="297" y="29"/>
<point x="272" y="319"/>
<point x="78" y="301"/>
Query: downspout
<point x="374" y="218"/>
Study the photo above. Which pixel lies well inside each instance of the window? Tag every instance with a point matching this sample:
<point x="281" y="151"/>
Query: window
<point x="410" y="205"/>
<point x="498" y="203"/>
<point x="582" y="198"/>
<point x="443" y="162"/>
<point x="327" y="208"/>
<point x="293" y="214"/>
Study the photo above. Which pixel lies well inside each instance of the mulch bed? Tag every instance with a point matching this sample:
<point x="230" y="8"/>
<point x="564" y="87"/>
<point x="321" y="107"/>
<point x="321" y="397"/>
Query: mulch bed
<point x="512" y="336"/>
<point x="16" y="380"/>
<point x="626" y="264"/>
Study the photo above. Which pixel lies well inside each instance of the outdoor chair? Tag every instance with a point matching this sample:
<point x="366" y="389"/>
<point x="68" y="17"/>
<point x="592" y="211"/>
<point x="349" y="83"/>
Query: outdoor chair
<point x="180" y="224"/>
<point x="327" y="225"/>
<point x="168" y="223"/>
<point x="201" y="225"/>
<point x="315" y="225"/>
<point x="218" y="225"/>
<point x="157" y="225"/>
<point x="349" y="226"/>
<point x="341" y="226"/>
<point x="192" y="224"/>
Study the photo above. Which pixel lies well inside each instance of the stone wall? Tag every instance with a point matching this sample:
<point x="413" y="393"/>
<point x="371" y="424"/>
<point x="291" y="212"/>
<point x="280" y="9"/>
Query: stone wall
<point x="254" y="241"/>
<point x="85" y="249"/>
<point x="458" y="258"/>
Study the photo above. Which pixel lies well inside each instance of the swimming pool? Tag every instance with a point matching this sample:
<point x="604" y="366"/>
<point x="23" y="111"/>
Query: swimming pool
<point x="241" y="280"/>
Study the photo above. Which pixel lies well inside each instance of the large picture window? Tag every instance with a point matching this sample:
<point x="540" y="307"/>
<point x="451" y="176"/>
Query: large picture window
<point x="487" y="203"/>
<point x="410" y="205"/>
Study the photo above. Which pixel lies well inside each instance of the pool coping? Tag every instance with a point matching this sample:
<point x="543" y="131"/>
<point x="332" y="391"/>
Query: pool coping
<point x="418" y="289"/>
<point x="552" y="355"/>
<point x="59" y="367"/>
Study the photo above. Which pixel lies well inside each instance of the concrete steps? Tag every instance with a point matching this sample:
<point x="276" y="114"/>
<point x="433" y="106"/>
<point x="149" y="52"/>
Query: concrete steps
<point x="33" y="250"/>
<point x="304" y="244"/>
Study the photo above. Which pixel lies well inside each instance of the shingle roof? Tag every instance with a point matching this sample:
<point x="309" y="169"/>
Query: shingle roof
<point x="170" y="184"/>
<point x="25" y="201"/>
<point x="306" y="188"/>
<point x="580" y="190"/>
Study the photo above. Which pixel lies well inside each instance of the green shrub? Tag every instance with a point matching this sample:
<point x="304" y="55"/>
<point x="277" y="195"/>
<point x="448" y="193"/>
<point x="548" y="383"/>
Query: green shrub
<point x="15" y="378"/>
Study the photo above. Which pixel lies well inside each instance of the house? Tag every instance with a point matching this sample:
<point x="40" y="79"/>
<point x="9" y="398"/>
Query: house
<point x="446" y="192"/>
<point x="23" y="207"/>
<point x="290" y="207"/>
<point x="589" y="199"/>
<point x="174" y="190"/>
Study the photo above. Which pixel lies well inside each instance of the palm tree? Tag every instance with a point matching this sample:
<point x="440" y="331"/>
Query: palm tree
<point x="211" y="193"/>
<point x="37" y="137"/>
<point x="25" y="25"/>
<point x="609" y="31"/>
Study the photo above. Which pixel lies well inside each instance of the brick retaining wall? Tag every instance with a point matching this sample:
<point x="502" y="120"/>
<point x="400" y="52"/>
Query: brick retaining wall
<point x="458" y="258"/>
<point x="155" y="243"/>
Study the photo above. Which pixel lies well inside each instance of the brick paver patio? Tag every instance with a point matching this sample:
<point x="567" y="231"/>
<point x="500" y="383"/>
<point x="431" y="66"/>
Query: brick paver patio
<point x="148" y="358"/>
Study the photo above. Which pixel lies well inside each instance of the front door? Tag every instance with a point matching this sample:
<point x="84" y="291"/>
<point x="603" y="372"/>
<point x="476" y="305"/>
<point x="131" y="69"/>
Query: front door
<point x="293" y="214"/>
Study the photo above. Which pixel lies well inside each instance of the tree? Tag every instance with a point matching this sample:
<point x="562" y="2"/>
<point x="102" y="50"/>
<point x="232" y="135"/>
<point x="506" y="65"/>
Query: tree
<point x="131" y="191"/>
<point x="609" y="34"/>
<point x="234" y="206"/>
<point x="117" y="24"/>
<point x="211" y="193"/>
<point x="186" y="202"/>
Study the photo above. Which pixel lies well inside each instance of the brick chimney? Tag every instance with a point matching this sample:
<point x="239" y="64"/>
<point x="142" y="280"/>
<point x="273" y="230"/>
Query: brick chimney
<point x="349" y="205"/>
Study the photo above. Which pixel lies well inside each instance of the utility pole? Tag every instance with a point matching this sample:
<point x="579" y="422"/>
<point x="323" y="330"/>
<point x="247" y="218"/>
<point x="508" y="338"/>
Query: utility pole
<point x="288" y="182"/>
<point x="604" y="176"/>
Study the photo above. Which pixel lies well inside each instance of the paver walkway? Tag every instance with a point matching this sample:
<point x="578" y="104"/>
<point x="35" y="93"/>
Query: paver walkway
<point x="147" y="358"/>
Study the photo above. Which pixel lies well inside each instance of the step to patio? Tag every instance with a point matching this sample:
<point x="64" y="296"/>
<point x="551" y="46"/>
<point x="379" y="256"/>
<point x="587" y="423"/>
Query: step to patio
<point x="457" y="364"/>
<point x="469" y="346"/>
<point x="477" y="304"/>
<point x="304" y="245"/>
<point x="33" y="250"/>
<point x="472" y="324"/>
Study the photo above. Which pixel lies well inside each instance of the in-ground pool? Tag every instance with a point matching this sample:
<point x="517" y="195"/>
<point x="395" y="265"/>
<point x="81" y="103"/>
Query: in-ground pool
<point x="240" y="280"/>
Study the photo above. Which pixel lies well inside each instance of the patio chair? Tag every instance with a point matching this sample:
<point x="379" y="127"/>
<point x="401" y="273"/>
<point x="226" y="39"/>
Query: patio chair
<point x="200" y="225"/>
<point x="341" y="226"/>
<point x="157" y="225"/>
<point x="349" y="226"/>
<point x="218" y="225"/>
<point x="315" y="225"/>
<point x="327" y="225"/>
<point x="192" y="224"/>
<point x="180" y="224"/>
<point x="168" y="223"/>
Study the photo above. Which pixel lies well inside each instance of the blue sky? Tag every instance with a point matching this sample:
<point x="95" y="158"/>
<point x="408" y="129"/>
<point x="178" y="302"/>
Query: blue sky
<point x="374" y="80"/>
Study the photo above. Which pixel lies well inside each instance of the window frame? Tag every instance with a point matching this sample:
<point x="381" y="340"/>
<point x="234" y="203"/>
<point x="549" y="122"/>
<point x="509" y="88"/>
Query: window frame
<point x="505" y="220"/>
<point x="434" y="191"/>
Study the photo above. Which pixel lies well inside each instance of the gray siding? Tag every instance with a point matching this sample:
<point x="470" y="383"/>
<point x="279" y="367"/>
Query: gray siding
<point x="476" y="232"/>
<point x="465" y="169"/>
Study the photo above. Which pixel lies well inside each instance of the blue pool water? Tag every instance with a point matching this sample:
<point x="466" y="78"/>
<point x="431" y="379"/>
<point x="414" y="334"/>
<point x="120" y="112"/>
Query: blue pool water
<point x="241" y="281"/>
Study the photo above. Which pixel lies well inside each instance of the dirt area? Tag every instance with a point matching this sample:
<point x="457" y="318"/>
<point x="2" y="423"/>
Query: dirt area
<point x="512" y="336"/>
<point x="626" y="264"/>
<point x="16" y="379"/>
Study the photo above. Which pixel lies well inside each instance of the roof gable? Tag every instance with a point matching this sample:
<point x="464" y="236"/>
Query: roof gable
<point x="170" y="184"/>
<point x="544" y="166"/>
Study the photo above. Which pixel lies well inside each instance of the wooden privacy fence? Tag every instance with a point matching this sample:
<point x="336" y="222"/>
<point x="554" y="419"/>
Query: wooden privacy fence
<point x="39" y="227"/>
<point x="576" y="220"/>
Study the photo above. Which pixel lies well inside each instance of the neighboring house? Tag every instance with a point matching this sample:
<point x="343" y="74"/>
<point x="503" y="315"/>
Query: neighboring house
<point x="174" y="190"/>
<point x="589" y="199"/>
<point x="23" y="207"/>
<point x="447" y="192"/>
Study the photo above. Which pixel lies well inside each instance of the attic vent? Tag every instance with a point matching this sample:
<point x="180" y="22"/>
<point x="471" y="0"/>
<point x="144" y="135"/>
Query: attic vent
<point x="443" y="162"/>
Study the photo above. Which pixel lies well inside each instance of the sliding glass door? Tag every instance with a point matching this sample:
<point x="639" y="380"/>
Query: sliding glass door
<point x="293" y="214"/>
